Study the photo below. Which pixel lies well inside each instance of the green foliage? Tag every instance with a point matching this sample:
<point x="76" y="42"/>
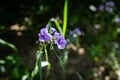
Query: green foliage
<point x="11" y="65"/>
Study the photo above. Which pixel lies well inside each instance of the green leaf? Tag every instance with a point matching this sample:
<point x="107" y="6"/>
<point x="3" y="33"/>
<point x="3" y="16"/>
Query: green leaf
<point x="57" y="25"/>
<point x="8" y="44"/>
<point x="39" y="64"/>
<point x="65" y="17"/>
<point x="35" y="71"/>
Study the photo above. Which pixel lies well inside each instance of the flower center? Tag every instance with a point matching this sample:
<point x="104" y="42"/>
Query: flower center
<point x="60" y="41"/>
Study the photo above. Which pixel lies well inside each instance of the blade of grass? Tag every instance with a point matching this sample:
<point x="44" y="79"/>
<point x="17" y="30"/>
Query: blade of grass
<point x="65" y="17"/>
<point x="8" y="44"/>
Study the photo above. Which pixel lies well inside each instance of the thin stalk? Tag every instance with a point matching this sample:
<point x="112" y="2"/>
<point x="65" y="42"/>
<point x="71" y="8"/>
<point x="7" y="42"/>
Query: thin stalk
<point x="77" y="41"/>
<point x="48" y="67"/>
<point x="65" y="58"/>
<point x="63" y="71"/>
<point x="39" y="67"/>
<point x="58" y="56"/>
<point x="39" y="62"/>
<point x="61" y="63"/>
<point x="79" y="76"/>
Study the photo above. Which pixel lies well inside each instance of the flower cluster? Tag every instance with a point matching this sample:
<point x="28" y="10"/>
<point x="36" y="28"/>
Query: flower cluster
<point x="50" y="34"/>
<point x="107" y="7"/>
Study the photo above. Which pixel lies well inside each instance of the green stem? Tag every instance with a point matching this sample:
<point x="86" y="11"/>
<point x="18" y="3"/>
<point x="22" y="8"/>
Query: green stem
<point x="77" y="41"/>
<point x="48" y="67"/>
<point x="63" y="71"/>
<point x="46" y="54"/>
<point x="62" y="63"/>
<point x="58" y="57"/>
<point x="39" y="67"/>
<point x="39" y="55"/>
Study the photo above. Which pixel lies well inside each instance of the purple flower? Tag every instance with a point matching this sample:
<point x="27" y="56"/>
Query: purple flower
<point x="77" y="31"/>
<point x="71" y="33"/>
<point x="109" y="9"/>
<point x="61" y="42"/>
<point x="44" y="35"/>
<point x="117" y="20"/>
<point x="101" y="8"/>
<point x="110" y="3"/>
<point x="49" y="33"/>
<point x="56" y="34"/>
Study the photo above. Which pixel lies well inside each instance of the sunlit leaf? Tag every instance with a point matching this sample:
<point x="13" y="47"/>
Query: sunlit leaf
<point x="65" y="17"/>
<point x="35" y="71"/>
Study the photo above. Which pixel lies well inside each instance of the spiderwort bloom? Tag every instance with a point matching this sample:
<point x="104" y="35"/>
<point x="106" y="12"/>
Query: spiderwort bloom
<point x="75" y="31"/>
<point x="110" y="3"/>
<point x="56" y="34"/>
<point x="61" y="42"/>
<point x="101" y="8"/>
<point x="44" y="35"/>
<point x="117" y="20"/>
<point x="109" y="9"/>
<point x="71" y="33"/>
